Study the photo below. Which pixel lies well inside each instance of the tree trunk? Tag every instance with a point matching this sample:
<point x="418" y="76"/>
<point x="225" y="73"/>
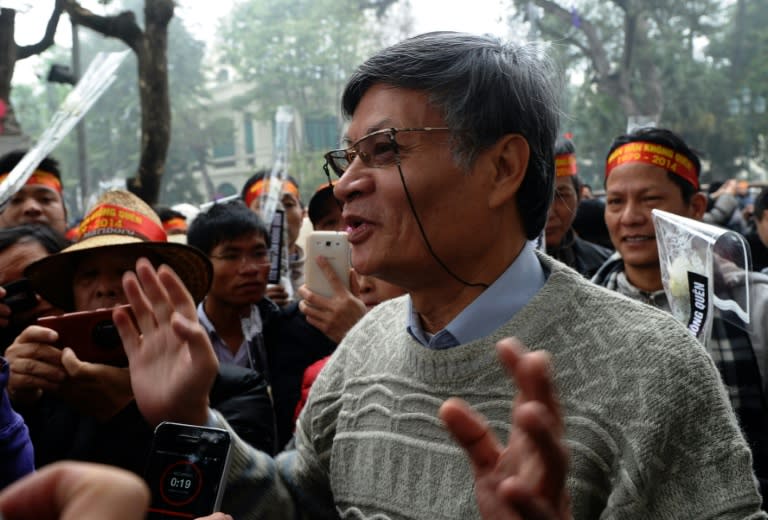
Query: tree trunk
<point x="201" y="154"/>
<point x="155" y="103"/>
<point x="10" y="53"/>
<point x="616" y="81"/>
<point x="7" y="64"/>
<point x="150" y="47"/>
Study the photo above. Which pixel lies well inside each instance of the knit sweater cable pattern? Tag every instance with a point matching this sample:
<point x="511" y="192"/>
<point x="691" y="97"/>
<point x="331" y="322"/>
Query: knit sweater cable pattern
<point x="650" y="429"/>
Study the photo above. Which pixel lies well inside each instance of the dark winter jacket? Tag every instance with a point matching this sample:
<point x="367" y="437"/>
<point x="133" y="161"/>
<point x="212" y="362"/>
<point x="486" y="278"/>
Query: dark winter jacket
<point x="580" y="255"/>
<point x="16" y="455"/>
<point x="291" y="345"/>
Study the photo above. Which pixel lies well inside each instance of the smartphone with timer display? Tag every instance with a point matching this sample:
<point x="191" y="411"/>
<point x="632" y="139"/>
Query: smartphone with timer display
<point x="187" y="470"/>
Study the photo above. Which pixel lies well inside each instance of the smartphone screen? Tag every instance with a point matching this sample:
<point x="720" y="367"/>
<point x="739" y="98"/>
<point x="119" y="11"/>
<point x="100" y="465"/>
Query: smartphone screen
<point x="186" y="471"/>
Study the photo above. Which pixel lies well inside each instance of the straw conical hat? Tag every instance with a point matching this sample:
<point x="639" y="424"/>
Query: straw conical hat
<point x="121" y="223"/>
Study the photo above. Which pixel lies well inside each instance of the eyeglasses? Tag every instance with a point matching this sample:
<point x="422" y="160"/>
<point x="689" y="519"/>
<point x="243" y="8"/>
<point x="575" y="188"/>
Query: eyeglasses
<point x="377" y="149"/>
<point x="259" y="257"/>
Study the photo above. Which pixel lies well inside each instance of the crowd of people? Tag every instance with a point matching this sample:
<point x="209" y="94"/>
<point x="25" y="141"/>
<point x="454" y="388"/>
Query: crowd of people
<point x="460" y="372"/>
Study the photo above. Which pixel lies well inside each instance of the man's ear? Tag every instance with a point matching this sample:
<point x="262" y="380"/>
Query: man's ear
<point x="698" y="205"/>
<point x="510" y="160"/>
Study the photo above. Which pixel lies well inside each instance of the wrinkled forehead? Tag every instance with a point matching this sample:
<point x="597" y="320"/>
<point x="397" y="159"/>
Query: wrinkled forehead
<point x="637" y="176"/>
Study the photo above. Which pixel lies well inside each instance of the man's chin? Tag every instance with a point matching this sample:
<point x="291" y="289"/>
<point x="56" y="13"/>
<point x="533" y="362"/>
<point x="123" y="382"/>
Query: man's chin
<point x="553" y="242"/>
<point x="636" y="261"/>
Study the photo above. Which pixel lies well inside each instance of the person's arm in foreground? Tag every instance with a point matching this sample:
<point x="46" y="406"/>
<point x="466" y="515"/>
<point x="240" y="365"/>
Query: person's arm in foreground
<point x="38" y="366"/>
<point x="79" y="491"/>
<point x="524" y="479"/>
<point x="16" y="454"/>
<point x="76" y="491"/>
<point x="173" y="366"/>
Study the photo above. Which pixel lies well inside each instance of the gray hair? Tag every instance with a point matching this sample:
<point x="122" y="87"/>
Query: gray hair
<point x="485" y="89"/>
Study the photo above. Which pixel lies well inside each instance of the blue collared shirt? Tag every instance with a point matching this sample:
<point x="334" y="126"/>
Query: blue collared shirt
<point x="495" y="306"/>
<point x="219" y="347"/>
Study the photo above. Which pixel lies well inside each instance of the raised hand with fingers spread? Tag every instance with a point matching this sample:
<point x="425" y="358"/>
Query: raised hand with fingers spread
<point x="526" y="477"/>
<point x="171" y="360"/>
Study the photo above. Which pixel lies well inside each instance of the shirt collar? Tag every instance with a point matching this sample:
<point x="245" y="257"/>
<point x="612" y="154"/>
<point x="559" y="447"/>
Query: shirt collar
<point x="250" y="326"/>
<point x="656" y="298"/>
<point x="494" y="307"/>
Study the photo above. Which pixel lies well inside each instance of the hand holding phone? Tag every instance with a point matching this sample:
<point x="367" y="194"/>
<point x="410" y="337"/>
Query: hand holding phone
<point x="187" y="470"/>
<point x="333" y="245"/>
<point x="92" y="335"/>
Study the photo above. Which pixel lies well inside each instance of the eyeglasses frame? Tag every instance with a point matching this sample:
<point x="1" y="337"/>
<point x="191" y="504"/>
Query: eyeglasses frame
<point x="354" y="152"/>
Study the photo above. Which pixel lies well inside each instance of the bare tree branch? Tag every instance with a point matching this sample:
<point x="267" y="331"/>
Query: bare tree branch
<point x="122" y="26"/>
<point x="596" y="51"/>
<point x="566" y="38"/>
<point x="50" y="31"/>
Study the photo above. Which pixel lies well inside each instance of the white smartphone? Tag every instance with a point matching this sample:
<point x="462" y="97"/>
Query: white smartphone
<point x="334" y="246"/>
<point x="187" y="470"/>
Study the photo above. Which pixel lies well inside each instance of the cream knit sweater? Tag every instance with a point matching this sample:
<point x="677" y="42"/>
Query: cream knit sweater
<point x="650" y="430"/>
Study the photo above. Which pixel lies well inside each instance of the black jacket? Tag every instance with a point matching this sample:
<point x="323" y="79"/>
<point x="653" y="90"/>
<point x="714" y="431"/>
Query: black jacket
<point x="291" y="345"/>
<point x="240" y="395"/>
<point x="582" y="256"/>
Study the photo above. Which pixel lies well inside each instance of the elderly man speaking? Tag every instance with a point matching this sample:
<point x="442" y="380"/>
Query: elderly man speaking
<point x="445" y="176"/>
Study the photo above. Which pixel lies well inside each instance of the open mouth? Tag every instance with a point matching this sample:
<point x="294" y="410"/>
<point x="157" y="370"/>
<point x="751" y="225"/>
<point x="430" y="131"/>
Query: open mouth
<point x="357" y="228"/>
<point x="636" y="239"/>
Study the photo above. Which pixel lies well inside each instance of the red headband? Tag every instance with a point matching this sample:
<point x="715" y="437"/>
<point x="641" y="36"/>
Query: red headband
<point x="262" y="185"/>
<point x="108" y="219"/>
<point x="40" y="178"/>
<point x="565" y="165"/>
<point x="175" y="224"/>
<point x="655" y="155"/>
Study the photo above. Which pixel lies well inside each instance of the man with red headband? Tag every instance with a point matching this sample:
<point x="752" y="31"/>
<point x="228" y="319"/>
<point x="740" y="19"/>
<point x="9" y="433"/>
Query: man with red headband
<point x="253" y="193"/>
<point x="562" y="241"/>
<point x="652" y="168"/>
<point x="40" y="200"/>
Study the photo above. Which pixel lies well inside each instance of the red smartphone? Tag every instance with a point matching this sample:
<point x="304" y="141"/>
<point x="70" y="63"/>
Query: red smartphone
<point x="91" y="334"/>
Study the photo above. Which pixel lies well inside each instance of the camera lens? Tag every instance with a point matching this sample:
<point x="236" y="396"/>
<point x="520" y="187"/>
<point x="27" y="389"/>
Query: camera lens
<point x="105" y="335"/>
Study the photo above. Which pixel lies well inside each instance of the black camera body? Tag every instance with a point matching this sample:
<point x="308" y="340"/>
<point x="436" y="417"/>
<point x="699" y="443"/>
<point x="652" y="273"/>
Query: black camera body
<point x="19" y="296"/>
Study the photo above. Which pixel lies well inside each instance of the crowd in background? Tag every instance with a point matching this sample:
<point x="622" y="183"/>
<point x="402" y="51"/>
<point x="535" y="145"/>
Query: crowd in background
<point x="625" y="396"/>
